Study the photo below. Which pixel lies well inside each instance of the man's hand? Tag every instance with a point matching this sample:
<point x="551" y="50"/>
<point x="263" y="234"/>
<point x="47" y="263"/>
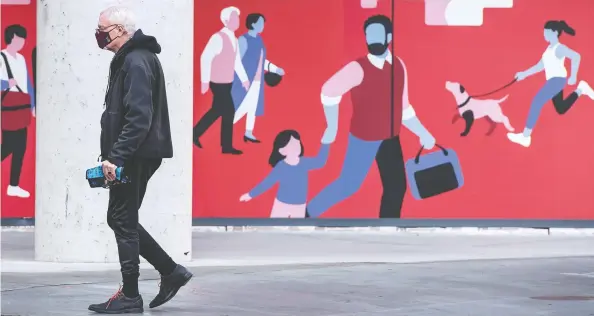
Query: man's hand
<point x="245" y="198"/>
<point x="572" y="80"/>
<point x="280" y="71"/>
<point x="329" y="135"/>
<point x="521" y="76"/>
<point x="109" y="170"/>
<point x="12" y="83"/>
<point x="427" y="141"/>
<point x="204" y="87"/>
<point x="246" y="85"/>
<point x="33" y="112"/>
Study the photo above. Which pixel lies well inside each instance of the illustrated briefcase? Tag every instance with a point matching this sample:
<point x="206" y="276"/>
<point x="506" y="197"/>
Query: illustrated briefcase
<point x="434" y="173"/>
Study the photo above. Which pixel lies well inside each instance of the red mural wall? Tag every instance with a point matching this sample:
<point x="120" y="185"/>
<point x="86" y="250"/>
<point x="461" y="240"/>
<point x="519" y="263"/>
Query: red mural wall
<point x="18" y="197"/>
<point x="311" y="41"/>
<point x="502" y="179"/>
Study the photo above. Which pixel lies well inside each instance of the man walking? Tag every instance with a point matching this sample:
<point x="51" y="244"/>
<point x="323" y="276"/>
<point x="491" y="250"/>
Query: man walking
<point x="218" y="64"/>
<point x="18" y="105"/>
<point x="379" y="93"/>
<point x="135" y="134"/>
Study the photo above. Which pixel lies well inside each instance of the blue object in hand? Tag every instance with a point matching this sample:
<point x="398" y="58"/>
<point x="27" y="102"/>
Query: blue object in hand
<point x="434" y="173"/>
<point x="97" y="179"/>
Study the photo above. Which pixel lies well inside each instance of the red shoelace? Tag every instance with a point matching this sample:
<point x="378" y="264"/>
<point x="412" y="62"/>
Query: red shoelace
<point x="114" y="297"/>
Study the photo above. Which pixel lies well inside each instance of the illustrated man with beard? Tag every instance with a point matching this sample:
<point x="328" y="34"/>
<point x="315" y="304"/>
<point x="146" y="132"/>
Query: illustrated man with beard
<point x="379" y="94"/>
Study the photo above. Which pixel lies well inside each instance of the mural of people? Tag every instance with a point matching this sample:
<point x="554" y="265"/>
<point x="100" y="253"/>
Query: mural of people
<point x="219" y="62"/>
<point x="253" y="57"/>
<point x="18" y="105"/>
<point x="466" y="51"/>
<point x="553" y="64"/>
<point x="290" y="171"/>
<point x="375" y="124"/>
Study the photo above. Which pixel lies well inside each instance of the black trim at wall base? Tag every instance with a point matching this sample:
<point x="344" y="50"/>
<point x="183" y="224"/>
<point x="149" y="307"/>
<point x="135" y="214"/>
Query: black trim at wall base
<point x="393" y="222"/>
<point x="523" y="223"/>
<point x="18" y="221"/>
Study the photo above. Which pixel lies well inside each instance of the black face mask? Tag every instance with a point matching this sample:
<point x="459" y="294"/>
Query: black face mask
<point x="377" y="49"/>
<point x="103" y="38"/>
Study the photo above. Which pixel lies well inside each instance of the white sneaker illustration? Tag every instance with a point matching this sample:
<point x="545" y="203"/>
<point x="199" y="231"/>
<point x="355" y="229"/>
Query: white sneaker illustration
<point x="17" y="192"/>
<point x="520" y="139"/>
<point x="585" y="88"/>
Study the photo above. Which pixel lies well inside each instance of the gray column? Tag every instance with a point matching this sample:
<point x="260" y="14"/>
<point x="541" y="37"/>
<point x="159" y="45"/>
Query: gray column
<point x="70" y="217"/>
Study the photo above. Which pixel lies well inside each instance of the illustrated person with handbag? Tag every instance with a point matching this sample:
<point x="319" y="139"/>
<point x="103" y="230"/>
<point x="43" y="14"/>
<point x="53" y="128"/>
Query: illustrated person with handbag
<point x="378" y="86"/>
<point x="252" y="50"/>
<point x="18" y="105"/>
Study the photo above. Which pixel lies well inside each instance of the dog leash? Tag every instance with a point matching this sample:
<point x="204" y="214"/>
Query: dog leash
<point x="486" y="94"/>
<point x="494" y="91"/>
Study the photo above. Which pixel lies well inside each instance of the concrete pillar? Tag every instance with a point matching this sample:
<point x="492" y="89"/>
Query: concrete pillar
<point x="70" y="217"/>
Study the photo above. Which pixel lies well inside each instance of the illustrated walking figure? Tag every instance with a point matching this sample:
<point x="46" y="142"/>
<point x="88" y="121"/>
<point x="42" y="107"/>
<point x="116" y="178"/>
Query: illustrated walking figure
<point x="219" y="63"/>
<point x="254" y="59"/>
<point x="18" y="105"/>
<point x="290" y="171"/>
<point x="378" y="86"/>
<point x="552" y="63"/>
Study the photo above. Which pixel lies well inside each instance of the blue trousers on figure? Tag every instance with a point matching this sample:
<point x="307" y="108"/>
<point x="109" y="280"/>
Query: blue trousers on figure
<point x="551" y="91"/>
<point x="358" y="160"/>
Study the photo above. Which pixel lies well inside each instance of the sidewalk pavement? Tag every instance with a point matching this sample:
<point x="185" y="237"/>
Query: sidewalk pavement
<point x="339" y="273"/>
<point x="214" y="248"/>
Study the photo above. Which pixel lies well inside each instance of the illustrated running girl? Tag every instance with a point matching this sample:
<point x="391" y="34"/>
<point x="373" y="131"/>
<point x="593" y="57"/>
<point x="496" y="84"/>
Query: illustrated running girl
<point x="290" y="170"/>
<point x="553" y="64"/>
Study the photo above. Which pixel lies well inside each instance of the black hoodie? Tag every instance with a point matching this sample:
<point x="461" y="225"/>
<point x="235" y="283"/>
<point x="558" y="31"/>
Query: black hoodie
<point x="135" y="123"/>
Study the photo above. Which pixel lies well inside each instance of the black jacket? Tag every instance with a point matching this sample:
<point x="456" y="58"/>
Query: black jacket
<point x="135" y="123"/>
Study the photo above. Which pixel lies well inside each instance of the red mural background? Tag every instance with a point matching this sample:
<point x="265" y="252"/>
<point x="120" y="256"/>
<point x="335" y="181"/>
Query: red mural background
<point x="311" y="40"/>
<point x="25" y="15"/>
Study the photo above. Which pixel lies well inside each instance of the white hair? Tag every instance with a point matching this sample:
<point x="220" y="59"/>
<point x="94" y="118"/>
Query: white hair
<point x="226" y="14"/>
<point x="122" y="16"/>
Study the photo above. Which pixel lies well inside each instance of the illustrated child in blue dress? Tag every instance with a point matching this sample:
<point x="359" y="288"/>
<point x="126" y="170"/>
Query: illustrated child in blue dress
<point x="290" y="171"/>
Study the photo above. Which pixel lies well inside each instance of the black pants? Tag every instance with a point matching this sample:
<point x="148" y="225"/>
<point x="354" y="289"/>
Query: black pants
<point x="563" y="105"/>
<point x="222" y="106"/>
<point x="15" y="143"/>
<point x="122" y="216"/>
<point x="390" y="163"/>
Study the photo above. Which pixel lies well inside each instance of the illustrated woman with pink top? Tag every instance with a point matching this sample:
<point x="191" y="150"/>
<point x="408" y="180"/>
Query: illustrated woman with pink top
<point x="553" y="65"/>
<point x="290" y="171"/>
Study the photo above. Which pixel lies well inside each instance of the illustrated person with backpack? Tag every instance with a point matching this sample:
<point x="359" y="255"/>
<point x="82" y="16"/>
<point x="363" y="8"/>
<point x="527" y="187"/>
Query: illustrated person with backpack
<point x="18" y="105"/>
<point x="252" y="50"/>
<point x="135" y="135"/>
<point x="553" y="64"/>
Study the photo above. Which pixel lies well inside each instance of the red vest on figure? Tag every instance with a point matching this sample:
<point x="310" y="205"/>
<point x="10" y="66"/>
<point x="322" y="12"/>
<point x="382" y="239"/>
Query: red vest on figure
<point x="373" y="117"/>
<point x="223" y="65"/>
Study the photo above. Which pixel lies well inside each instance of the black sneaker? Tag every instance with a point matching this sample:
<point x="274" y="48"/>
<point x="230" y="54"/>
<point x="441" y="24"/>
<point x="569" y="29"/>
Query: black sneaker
<point x="119" y="304"/>
<point x="170" y="284"/>
<point x="232" y="151"/>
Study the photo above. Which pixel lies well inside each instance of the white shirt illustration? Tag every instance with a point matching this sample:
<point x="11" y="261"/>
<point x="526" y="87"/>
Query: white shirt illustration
<point x="213" y="48"/>
<point x="18" y="66"/>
